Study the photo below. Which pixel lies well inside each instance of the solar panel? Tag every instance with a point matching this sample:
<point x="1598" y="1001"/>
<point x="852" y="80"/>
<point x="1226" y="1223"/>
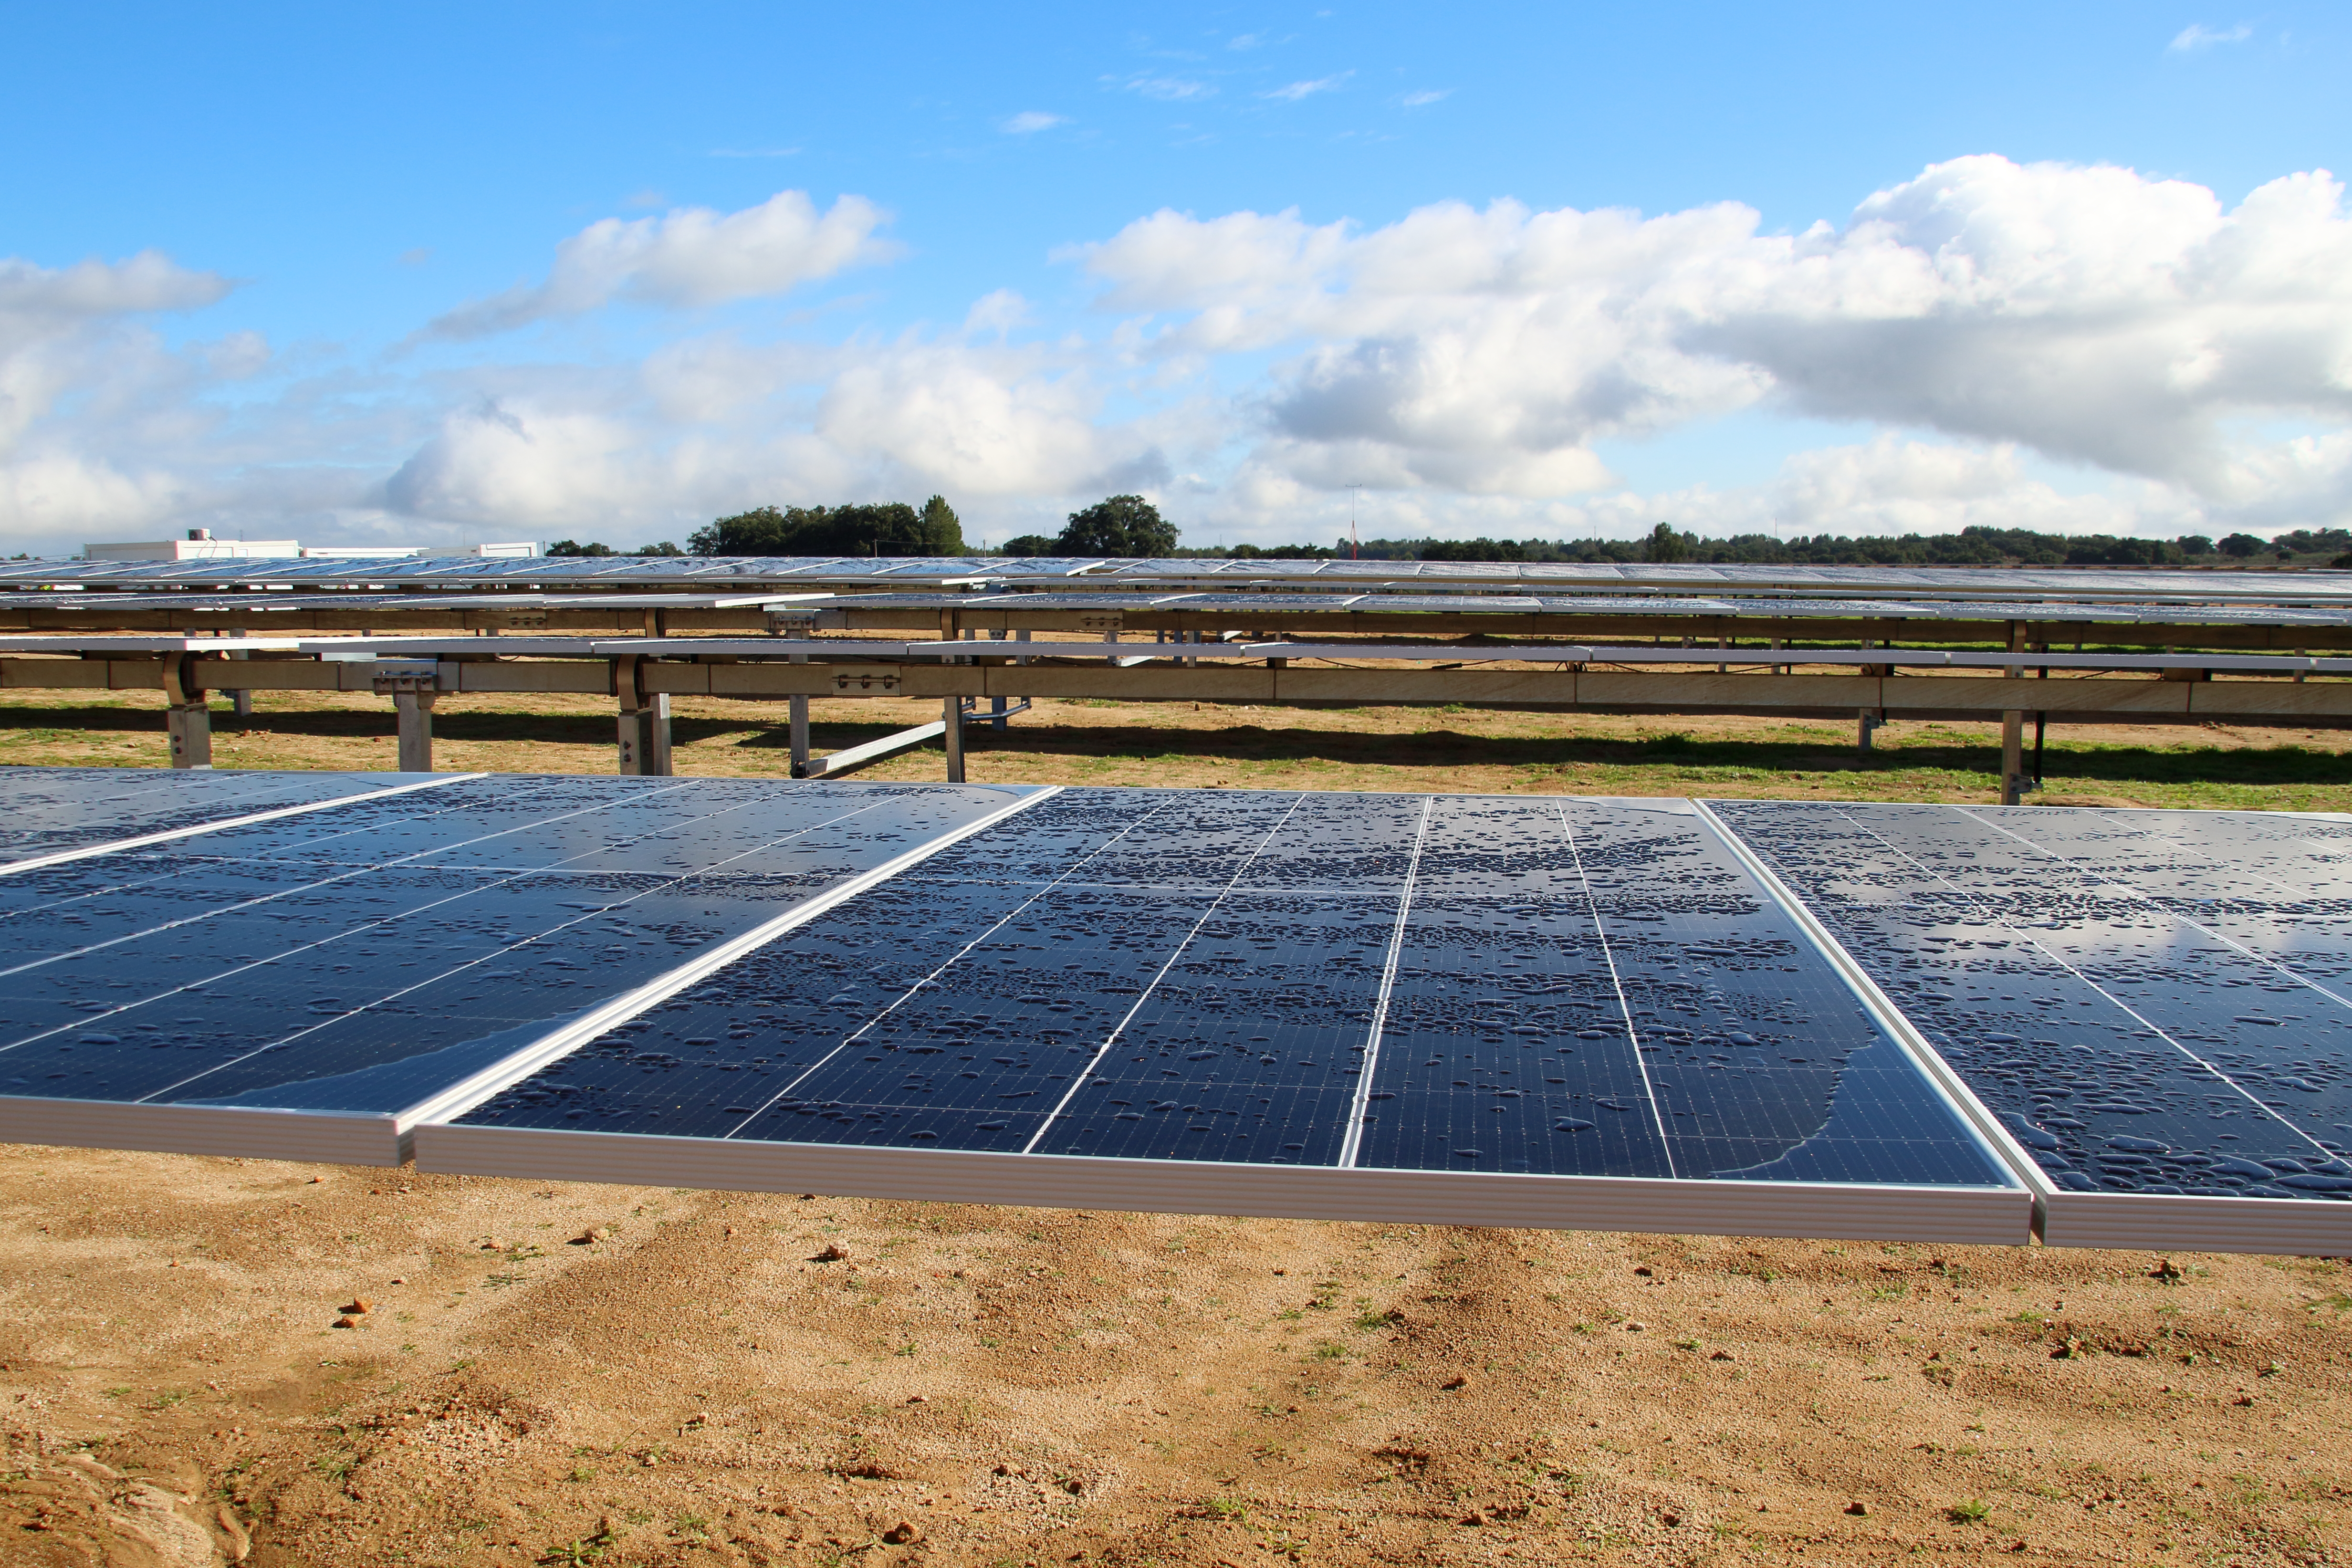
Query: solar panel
<point x="353" y="963"/>
<point x="2151" y="1005"/>
<point x="46" y="813"/>
<point x="1566" y="1013"/>
<point x="1753" y="1017"/>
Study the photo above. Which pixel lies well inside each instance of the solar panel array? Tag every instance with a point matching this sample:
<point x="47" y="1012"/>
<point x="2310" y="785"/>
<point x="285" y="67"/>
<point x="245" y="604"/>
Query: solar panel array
<point x="1757" y="1017"/>
<point x="687" y="573"/>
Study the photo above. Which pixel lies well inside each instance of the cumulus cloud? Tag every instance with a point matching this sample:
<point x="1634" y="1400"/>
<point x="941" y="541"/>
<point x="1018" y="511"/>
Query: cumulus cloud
<point x="2060" y="347"/>
<point x="690" y="256"/>
<point x="2198" y="36"/>
<point x="2090" y="314"/>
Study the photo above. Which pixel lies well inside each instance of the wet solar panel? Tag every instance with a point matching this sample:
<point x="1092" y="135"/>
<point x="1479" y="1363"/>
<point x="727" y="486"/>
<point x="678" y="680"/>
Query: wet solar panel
<point x="357" y="961"/>
<point x="1573" y="1012"/>
<point x="1754" y="1017"/>
<point x="2152" y="1005"/>
<point x="45" y="812"/>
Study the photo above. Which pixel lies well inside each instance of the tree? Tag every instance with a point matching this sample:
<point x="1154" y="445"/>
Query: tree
<point x="1666" y="546"/>
<point x="891" y="528"/>
<point x="664" y="548"/>
<point x="943" y="531"/>
<point x="2194" y="545"/>
<point x="2238" y="546"/>
<point x="1028" y="544"/>
<point x="1124" y="526"/>
<point x="566" y="547"/>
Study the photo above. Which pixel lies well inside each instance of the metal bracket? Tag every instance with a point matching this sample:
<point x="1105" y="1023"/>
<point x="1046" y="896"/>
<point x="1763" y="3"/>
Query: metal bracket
<point x="398" y="675"/>
<point x="801" y="623"/>
<point x="524" y="621"/>
<point x="1111" y="621"/>
<point x="866" y="680"/>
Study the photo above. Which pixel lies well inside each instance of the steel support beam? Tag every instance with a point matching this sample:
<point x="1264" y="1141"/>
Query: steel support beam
<point x="951" y="732"/>
<point x="189" y="722"/>
<point x="415" y="709"/>
<point x="643" y="731"/>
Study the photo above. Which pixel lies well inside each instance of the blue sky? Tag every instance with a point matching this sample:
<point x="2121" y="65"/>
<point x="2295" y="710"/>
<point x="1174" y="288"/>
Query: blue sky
<point x="328" y="184"/>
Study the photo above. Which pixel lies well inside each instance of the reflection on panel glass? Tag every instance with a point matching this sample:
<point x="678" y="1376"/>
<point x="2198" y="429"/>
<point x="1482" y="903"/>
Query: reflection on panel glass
<point x="2151" y="1001"/>
<point x="47" y="811"/>
<point x="363" y="959"/>
<point x="1453" y="982"/>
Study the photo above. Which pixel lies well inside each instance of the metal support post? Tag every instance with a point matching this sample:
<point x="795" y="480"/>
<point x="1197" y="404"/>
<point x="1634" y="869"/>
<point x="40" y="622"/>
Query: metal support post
<point x="797" y="706"/>
<point x="2012" y="729"/>
<point x="643" y="728"/>
<point x="188" y="724"/>
<point x="415" y="707"/>
<point x="1867" y="723"/>
<point x="2013" y="756"/>
<point x="240" y="700"/>
<point x="951" y="716"/>
<point x="2041" y="733"/>
<point x="997" y="705"/>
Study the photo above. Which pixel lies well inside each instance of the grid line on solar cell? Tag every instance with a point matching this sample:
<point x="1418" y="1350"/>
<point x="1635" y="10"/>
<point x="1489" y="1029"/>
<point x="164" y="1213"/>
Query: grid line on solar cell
<point x="1110" y="1041"/>
<point x="911" y="991"/>
<point x="1617" y="988"/>
<point x="1354" y="1140"/>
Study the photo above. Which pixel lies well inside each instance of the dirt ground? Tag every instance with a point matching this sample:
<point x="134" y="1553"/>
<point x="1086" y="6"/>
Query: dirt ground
<point x="550" y="1374"/>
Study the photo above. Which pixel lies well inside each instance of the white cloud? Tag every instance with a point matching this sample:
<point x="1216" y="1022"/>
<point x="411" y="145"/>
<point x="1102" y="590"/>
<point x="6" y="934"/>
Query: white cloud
<point x="2093" y="315"/>
<point x="2039" y="345"/>
<point x="2198" y="36"/>
<point x="690" y="256"/>
<point x="1170" y="88"/>
<point x="1426" y="96"/>
<point x="1299" y="90"/>
<point x="1031" y="120"/>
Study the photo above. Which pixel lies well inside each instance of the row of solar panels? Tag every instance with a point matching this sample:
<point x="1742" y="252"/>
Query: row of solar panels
<point x="781" y="572"/>
<point x="1932" y="1023"/>
<point x="95" y="607"/>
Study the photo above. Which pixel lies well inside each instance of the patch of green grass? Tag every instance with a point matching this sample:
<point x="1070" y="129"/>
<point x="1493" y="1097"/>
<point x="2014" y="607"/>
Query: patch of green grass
<point x="1968" y="1511"/>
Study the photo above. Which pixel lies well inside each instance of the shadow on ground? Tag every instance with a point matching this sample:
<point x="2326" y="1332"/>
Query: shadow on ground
<point x="2086" y="762"/>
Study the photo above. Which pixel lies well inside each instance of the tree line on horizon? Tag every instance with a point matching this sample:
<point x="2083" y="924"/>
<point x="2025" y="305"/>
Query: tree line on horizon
<point x="1128" y="527"/>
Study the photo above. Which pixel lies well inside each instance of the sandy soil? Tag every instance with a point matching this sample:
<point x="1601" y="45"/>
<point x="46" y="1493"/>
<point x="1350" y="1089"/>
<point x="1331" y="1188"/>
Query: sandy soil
<point x="576" y="1375"/>
<point x="717" y="1378"/>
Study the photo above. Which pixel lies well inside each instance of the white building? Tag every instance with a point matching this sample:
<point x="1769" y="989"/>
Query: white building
<point x="199" y="545"/>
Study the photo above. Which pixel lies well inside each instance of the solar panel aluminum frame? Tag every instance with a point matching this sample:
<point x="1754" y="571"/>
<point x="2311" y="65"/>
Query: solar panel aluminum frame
<point x="384" y="1138"/>
<point x="2187" y="1222"/>
<point x="1873" y="1213"/>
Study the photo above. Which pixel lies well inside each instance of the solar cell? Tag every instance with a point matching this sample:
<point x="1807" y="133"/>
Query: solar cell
<point x="357" y="962"/>
<point x="2151" y="1005"/>
<point x="1132" y="998"/>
